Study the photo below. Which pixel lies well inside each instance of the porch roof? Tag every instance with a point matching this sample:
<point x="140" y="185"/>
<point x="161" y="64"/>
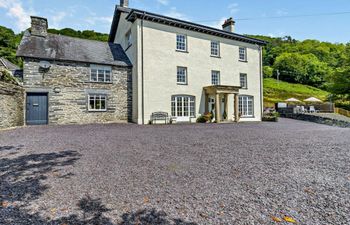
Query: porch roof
<point x="222" y="89"/>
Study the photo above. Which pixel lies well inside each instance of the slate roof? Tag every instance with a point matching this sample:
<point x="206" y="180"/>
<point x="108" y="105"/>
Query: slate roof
<point x="9" y="65"/>
<point x="60" y="47"/>
<point x="134" y="14"/>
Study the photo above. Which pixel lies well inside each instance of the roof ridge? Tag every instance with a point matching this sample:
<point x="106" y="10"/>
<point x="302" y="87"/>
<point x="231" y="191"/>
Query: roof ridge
<point x="61" y="35"/>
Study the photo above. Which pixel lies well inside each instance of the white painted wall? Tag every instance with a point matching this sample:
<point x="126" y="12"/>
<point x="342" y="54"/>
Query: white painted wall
<point x="161" y="61"/>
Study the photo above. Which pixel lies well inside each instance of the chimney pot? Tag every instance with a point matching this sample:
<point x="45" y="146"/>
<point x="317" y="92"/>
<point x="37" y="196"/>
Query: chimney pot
<point x="124" y="3"/>
<point x="39" y="26"/>
<point x="229" y="25"/>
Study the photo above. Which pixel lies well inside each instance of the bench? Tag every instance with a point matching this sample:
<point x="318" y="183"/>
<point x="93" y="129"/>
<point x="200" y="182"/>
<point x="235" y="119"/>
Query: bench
<point x="160" y="116"/>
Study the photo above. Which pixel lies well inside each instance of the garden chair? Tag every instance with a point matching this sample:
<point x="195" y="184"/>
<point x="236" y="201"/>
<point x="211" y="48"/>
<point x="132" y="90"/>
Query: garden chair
<point x="312" y="109"/>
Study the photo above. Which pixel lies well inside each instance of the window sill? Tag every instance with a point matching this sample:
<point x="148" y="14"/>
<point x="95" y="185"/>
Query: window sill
<point x="247" y="117"/>
<point x="215" y="56"/>
<point x="182" y="84"/>
<point x="244" y="61"/>
<point x="244" y="88"/>
<point x="182" y="51"/>
<point x="95" y="111"/>
<point x="99" y="82"/>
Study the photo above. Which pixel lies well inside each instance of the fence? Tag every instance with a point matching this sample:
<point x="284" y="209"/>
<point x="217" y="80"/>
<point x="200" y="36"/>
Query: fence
<point x="342" y="112"/>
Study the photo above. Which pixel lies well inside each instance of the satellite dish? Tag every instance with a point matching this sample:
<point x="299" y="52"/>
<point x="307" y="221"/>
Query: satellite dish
<point x="44" y="64"/>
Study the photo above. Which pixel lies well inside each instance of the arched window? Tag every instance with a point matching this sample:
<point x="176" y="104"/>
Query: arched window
<point x="183" y="107"/>
<point x="246" y="106"/>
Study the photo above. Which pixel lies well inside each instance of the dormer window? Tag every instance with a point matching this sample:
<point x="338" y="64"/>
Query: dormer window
<point x="102" y="74"/>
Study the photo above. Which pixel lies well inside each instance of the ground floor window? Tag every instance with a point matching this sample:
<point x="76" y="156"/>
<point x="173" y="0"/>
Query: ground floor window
<point x="97" y="103"/>
<point x="183" y="106"/>
<point x="246" y="105"/>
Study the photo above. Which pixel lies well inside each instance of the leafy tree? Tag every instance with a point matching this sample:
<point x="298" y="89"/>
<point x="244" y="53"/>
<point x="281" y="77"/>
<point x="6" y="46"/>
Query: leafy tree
<point x="268" y="71"/>
<point x="298" y="68"/>
<point x="339" y="82"/>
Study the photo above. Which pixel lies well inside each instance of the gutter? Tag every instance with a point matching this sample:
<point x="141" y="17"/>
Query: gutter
<point x="142" y="74"/>
<point x="261" y="82"/>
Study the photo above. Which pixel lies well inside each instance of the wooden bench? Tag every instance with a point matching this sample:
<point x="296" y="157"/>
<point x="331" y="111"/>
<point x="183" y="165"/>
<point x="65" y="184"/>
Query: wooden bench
<point x="160" y="116"/>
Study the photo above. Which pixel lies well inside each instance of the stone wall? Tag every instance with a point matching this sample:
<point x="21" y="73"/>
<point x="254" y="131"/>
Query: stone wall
<point x="68" y="86"/>
<point x="12" y="103"/>
<point x="319" y="119"/>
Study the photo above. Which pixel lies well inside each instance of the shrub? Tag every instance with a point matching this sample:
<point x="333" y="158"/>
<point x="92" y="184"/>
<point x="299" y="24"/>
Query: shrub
<point x="7" y="77"/>
<point x="201" y="119"/>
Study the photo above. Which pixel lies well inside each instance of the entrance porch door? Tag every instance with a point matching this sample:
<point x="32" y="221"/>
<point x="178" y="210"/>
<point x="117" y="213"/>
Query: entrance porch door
<point x="183" y="108"/>
<point x="212" y="104"/>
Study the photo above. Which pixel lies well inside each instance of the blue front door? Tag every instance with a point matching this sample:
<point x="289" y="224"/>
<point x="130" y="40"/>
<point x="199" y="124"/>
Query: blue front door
<point x="37" y="109"/>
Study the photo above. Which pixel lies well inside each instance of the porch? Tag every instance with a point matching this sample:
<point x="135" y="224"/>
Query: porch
<point x="216" y="100"/>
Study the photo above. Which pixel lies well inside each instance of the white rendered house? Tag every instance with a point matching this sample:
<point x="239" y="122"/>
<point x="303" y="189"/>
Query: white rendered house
<point x="187" y="69"/>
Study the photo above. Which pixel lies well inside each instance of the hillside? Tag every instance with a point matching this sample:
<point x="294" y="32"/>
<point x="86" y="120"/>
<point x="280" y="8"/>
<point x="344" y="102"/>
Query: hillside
<point x="279" y="91"/>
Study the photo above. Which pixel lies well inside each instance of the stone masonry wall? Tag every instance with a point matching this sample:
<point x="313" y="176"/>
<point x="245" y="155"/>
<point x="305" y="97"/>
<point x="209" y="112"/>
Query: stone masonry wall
<point x="68" y="85"/>
<point x="11" y="105"/>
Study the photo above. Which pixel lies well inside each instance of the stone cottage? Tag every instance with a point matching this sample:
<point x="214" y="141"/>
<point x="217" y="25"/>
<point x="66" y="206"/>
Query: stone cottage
<point x="73" y="81"/>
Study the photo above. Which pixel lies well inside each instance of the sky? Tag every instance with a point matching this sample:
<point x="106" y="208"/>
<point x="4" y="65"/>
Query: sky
<point x="325" y="20"/>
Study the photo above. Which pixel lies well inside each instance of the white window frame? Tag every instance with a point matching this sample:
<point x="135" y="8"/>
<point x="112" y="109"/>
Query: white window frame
<point x="215" y="48"/>
<point x="241" y="75"/>
<point x="190" y="107"/>
<point x="181" y="44"/>
<point x="181" y="78"/>
<point x="215" y="77"/>
<point x="104" y="72"/>
<point x="245" y="102"/>
<point x="242" y="52"/>
<point x="97" y="97"/>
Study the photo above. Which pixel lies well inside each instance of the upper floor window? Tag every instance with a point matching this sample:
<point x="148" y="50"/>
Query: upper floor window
<point x="181" y="75"/>
<point x="215" y="48"/>
<point x="243" y="80"/>
<point x="181" y="42"/>
<point x="215" y="77"/>
<point x="246" y="105"/>
<point x="100" y="73"/>
<point x="128" y="38"/>
<point x="242" y="54"/>
<point x="97" y="102"/>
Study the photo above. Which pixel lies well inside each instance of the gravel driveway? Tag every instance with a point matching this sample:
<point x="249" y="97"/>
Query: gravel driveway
<point x="178" y="174"/>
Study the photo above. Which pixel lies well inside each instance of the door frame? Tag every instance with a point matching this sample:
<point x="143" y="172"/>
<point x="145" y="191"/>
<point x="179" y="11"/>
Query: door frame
<point x="47" y="104"/>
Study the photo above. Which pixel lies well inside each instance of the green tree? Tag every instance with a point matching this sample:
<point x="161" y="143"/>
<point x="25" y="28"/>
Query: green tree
<point x="298" y="68"/>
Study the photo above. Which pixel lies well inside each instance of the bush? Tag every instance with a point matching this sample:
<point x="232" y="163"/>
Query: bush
<point x="271" y="116"/>
<point x="7" y="77"/>
<point x="201" y="119"/>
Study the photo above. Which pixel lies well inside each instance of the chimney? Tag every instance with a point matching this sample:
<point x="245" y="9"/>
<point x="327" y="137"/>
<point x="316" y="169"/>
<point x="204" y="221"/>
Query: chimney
<point x="124" y="3"/>
<point x="39" y="26"/>
<point x="229" y="25"/>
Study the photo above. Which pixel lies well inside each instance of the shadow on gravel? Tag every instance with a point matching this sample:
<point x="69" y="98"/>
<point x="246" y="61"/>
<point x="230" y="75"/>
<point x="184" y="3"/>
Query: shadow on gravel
<point x="21" y="182"/>
<point x="11" y="148"/>
<point x="152" y="216"/>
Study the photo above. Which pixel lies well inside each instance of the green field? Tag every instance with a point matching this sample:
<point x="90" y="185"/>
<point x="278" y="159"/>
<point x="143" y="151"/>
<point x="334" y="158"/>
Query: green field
<point x="279" y="91"/>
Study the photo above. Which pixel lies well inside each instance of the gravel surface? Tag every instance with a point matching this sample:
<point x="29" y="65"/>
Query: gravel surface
<point x="176" y="174"/>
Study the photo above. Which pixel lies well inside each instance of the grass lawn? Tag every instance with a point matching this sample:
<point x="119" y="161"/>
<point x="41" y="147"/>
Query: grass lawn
<point x="275" y="91"/>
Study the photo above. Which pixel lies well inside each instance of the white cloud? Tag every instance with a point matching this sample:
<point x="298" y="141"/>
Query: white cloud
<point x="14" y="9"/>
<point x="217" y="24"/>
<point x="92" y="20"/>
<point x="57" y="18"/>
<point x="233" y="8"/>
<point x="176" y="14"/>
<point x="163" y="2"/>
<point x="281" y="12"/>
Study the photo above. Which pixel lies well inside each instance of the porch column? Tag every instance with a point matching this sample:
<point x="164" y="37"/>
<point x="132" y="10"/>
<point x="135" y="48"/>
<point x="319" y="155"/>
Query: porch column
<point x="206" y="106"/>
<point x="217" y="108"/>
<point x="236" y="108"/>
